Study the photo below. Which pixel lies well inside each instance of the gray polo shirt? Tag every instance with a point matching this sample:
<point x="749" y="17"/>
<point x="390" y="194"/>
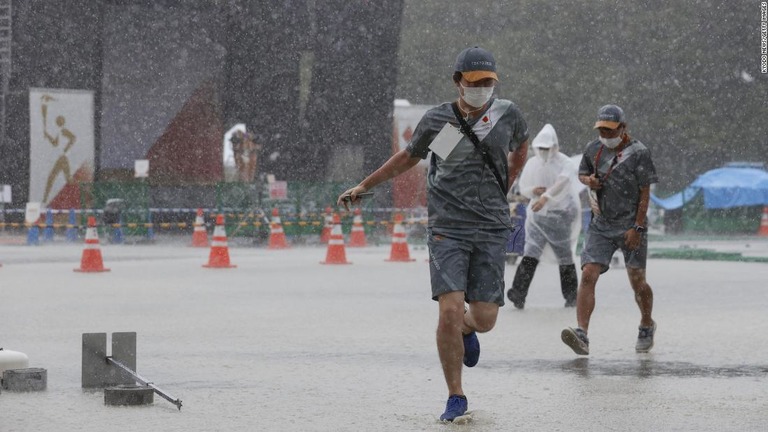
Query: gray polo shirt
<point x="462" y="191"/>
<point x="623" y="174"/>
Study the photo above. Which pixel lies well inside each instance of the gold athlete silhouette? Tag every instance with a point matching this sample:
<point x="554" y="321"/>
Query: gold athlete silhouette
<point x="62" y="163"/>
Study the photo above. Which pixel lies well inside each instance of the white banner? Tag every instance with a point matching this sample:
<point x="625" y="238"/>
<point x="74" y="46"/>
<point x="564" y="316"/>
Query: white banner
<point x="32" y="214"/>
<point x="278" y="190"/>
<point x="61" y="131"/>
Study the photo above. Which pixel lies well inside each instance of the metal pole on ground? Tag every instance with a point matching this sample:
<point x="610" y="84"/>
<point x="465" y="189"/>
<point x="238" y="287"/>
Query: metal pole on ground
<point x="143" y="381"/>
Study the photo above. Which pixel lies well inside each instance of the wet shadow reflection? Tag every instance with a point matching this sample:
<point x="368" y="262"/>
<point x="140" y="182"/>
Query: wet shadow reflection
<point x="643" y="367"/>
<point x="647" y="367"/>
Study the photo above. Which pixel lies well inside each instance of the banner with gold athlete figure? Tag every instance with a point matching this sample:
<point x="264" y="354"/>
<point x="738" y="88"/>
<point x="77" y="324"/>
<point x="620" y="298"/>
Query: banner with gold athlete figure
<point x="61" y="145"/>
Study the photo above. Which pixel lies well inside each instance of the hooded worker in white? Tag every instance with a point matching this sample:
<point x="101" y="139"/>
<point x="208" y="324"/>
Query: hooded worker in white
<point x="554" y="217"/>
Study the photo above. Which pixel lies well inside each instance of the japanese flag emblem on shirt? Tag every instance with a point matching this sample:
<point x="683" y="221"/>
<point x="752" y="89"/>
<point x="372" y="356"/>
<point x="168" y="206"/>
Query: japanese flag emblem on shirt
<point x="484" y="126"/>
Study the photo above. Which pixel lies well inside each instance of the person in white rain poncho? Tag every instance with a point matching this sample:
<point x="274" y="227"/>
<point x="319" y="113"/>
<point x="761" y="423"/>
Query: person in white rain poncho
<point x="554" y="216"/>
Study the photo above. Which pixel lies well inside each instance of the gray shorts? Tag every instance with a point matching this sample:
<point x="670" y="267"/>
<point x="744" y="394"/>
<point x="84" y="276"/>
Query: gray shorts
<point x="469" y="260"/>
<point x="600" y="245"/>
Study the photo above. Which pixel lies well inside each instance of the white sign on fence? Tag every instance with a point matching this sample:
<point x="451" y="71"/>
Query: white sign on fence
<point x="33" y="212"/>
<point x="278" y="190"/>
<point x="141" y="168"/>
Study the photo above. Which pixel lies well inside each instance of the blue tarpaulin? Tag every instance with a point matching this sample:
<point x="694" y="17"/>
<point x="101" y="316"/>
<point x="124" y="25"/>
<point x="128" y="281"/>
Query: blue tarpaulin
<point x="723" y="188"/>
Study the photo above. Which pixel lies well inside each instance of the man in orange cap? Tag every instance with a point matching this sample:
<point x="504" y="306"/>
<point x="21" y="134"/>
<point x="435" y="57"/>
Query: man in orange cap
<point x="619" y="171"/>
<point x="477" y="147"/>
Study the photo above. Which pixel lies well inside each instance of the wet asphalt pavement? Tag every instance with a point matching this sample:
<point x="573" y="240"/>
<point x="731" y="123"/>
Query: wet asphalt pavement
<point x="282" y="343"/>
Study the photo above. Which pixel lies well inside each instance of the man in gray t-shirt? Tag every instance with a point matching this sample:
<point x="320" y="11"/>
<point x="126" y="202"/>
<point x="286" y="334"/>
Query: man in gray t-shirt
<point x="619" y="172"/>
<point x="469" y="175"/>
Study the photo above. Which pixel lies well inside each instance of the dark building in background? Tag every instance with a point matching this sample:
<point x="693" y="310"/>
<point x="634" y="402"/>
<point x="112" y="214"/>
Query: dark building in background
<point x="312" y="80"/>
<point x="264" y="42"/>
<point x="352" y="88"/>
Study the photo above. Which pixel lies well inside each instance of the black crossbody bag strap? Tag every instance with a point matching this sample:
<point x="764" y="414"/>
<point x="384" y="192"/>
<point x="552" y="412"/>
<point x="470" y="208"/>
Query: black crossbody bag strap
<point x="469" y="133"/>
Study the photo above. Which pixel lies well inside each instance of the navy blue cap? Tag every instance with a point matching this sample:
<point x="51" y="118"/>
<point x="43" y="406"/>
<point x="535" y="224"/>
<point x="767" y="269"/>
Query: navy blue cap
<point x="475" y="64"/>
<point x="609" y="116"/>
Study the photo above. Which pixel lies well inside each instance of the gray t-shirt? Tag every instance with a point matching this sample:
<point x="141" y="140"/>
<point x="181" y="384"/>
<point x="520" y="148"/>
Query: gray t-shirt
<point x="462" y="191"/>
<point x="623" y="174"/>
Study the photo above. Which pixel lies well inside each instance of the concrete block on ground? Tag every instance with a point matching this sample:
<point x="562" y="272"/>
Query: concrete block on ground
<point x="130" y="395"/>
<point x="29" y="379"/>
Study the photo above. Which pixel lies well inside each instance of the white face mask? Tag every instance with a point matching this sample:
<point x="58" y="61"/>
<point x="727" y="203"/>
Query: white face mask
<point x="477" y="96"/>
<point x="544" y="153"/>
<point x="611" y="143"/>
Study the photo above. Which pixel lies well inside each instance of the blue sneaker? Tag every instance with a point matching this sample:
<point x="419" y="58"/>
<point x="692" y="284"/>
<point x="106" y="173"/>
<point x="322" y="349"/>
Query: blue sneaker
<point x="456" y="406"/>
<point x="471" y="349"/>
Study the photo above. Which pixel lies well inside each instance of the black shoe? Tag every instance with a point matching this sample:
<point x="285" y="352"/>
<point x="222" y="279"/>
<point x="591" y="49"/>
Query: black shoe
<point x="569" y="284"/>
<point x="515" y="299"/>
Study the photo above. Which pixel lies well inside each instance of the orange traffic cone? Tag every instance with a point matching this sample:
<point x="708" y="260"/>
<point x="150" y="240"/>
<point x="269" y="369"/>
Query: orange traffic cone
<point x="219" y="257"/>
<point x="399" y="252"/>
<point x="276" y="234"/>
<point x="357" y="235"/>
<point x="91" y="261"/>
<point x="763" y="231"/>
<point x="336" y="253"/>
<point x="199" y="235"/>
<point x="325" y="235"/>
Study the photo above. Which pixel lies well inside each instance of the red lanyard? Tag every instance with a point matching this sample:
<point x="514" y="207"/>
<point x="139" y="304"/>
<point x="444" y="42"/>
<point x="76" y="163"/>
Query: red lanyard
<point x="613" y="162"/>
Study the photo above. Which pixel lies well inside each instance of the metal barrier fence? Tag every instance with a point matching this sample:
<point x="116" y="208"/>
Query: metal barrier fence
<point x="247" y="207"/>
<point x="300" y="227"/>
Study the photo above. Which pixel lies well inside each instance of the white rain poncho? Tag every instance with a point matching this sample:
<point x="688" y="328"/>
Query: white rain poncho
<point x="558" y="222"/>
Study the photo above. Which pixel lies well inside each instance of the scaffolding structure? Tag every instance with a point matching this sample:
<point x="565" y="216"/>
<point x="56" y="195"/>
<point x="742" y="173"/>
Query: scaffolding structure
<point x="5" y="62"/>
